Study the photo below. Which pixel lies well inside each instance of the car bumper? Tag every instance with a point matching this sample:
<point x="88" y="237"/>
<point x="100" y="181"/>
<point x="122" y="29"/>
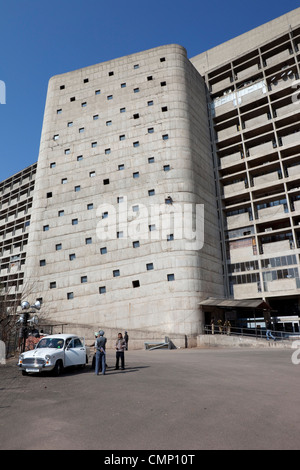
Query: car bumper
<point x="36" y="367"/>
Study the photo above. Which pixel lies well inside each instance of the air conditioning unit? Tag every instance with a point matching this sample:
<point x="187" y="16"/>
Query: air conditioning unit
<point x="269" y="229"/>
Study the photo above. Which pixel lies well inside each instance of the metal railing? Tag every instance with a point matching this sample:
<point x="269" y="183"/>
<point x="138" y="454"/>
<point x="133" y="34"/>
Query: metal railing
<point x="258" y="333"/>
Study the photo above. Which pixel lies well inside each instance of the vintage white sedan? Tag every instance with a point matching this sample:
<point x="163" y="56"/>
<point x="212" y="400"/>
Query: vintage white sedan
<point x="54" y="353"/>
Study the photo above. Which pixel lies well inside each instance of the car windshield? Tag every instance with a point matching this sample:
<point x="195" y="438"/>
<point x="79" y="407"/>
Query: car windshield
<point x="56" y="343"/>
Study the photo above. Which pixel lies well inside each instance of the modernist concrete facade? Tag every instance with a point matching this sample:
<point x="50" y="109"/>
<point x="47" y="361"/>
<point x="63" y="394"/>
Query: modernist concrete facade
<point x="157" y="130"/>
<point x="129" y="134"/>
<point x="252" y="84"/>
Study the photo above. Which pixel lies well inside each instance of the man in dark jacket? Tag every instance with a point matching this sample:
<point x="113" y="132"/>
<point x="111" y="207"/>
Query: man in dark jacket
<point x="100" y="352"/>
<point x="120" y="348"/>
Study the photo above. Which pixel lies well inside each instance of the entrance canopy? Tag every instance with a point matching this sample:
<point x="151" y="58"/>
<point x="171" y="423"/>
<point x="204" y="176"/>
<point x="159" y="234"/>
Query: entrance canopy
<point x="258" y="304"/>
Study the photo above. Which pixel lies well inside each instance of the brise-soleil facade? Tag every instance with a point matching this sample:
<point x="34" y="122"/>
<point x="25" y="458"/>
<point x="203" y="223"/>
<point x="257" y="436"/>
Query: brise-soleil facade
<point x="161" y="182"/>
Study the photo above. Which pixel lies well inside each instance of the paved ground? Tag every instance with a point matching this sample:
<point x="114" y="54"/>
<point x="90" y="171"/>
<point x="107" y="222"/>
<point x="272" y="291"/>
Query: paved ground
<point x="165" y="400"/>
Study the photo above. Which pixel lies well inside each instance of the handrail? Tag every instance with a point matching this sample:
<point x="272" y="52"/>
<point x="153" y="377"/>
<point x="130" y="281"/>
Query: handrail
<point x="251" y="332"/>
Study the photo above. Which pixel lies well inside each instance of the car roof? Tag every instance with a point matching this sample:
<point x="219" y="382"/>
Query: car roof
<point x="62" y="336"/>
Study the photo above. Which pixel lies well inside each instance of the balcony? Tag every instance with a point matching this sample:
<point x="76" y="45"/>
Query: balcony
<point x="230" y="160"/>
<point x="291" y="139"/>
<point x="266" y="178"/>
<point x="239" y="220"/>
<point x="245" y="291"/>
<point x="271" y="213"/>
<point x="276" y="248"/>
<point x="281" y="285"/>
<point x="232" y="189"/>
<point x="262" y="149"/>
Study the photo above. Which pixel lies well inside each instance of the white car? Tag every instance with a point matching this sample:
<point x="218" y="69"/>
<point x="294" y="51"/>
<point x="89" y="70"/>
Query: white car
<point x="54" y="353"/>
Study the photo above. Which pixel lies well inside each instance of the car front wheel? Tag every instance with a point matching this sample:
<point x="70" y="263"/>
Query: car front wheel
<point x="58" y="368"/>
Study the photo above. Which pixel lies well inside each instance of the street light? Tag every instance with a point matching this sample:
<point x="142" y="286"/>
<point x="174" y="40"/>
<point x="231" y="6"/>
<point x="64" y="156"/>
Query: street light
<point x="24" y="318"/>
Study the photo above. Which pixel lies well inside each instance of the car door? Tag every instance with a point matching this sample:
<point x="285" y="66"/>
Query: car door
<point x="75" y="353"/>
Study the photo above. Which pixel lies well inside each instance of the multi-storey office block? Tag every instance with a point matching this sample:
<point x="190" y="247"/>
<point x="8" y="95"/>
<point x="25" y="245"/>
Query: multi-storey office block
<point x="122" y="140"/>
<point x="15" y="212"/>
<point x="254" y="106"/>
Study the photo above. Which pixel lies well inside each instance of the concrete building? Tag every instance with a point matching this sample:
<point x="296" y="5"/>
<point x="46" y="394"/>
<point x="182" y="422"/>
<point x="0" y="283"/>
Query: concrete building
<point x="132" y="148"/>
<point x="15" y="214"/>
<point x="254" y="112"/>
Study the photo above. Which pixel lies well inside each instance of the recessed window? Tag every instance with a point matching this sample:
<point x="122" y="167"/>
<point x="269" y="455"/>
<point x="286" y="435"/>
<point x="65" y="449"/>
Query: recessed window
<point x="104" y="215"/>
<point x="108" y="123"/>
<point x="88" y="241"/>
<point x="81" y="130"/>
<point x="103" y="250"/>
<point x="149" y="78"/>
<point x="150" y="103"/>
<point x="123" y="85"/>
<point x="106" y="181"/>
<point x="135" y="208"/>
<point x="62" y="87"/>
<point x="72" y="256"/>
<point x="97" y="92"/>
<point x="107" y="151"/>
<point x="116" y="273"/>
<point x="52" y="285"/>
<point x="121" y="167"/>
<point x="136" y="90"/>
<point x="120" y="234"/>
<point x="136" y="144"/>
<point x="56" y="137"/>
<point x="110" y="74"/>
<point x="70" y="124"/>
<point x="150" y="130"/>
<point x="90" y="206"/>
<point x="46" y="228"/>
<point x="136" y="66"/>
<point x="83" y="279"/>
<point x="169" y="200"/>
<point x="120" y="199"/>
<point x="135" y="284"/>
<point x="102" y="290"/>
<point x="167" y="167"/>
<point x="136" y="116"/>
<point x="77" y="189"/>
<point x="151" y="192"/>
<point x="92" y="174"/>
<point x="164" y="109"/>
<point x="165" y="136"/>
<point x="149" y="266"/>
<point x="70" y="295"/>
<point x="171" y="277"/>
<point x="84" y="104"/>
<point x="64" y="180"/>
<point x="58" y="247"/>
<point x="95" y="117"/>
<point x="152" y="228"/>
<point x="170" y="237"/>
<point x="67" y="151"/>
<point x="136" y="244"/>
<point x="59" y="111"/>
<point x="53" y="165"/>
<point x="122" y="137"/>
<point x="93" y="145"/>
<point x="110" y="97"/>
<point x="163" y="83"/>
<point x="79" y="158"/>
<point x="74" y="221"/>
<point x="162" y="59"/>
<point x="151" y="160"/>
<point x="136" y="174"/>
<point x="61" y="213"/>
<point x="122" y="110"/>
<point x="42" y="262"/>
<point x="85" y="80"/>
<point x="73" y="98"/>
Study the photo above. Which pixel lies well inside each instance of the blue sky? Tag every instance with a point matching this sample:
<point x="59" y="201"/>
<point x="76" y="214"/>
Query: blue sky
<point x="42" y="38"/>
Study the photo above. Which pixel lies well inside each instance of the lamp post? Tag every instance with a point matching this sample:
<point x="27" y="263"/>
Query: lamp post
<point x="24" y="318"/>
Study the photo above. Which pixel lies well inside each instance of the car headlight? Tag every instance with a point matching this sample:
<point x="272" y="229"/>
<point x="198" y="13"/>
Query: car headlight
<point x="21" y="357"/>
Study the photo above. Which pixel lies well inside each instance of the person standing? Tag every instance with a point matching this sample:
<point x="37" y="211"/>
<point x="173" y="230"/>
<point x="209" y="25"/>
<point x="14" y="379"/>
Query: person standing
<point x="126" y="337"/>
<point x="100" y="353"/>
<point x="120" y="354"/>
